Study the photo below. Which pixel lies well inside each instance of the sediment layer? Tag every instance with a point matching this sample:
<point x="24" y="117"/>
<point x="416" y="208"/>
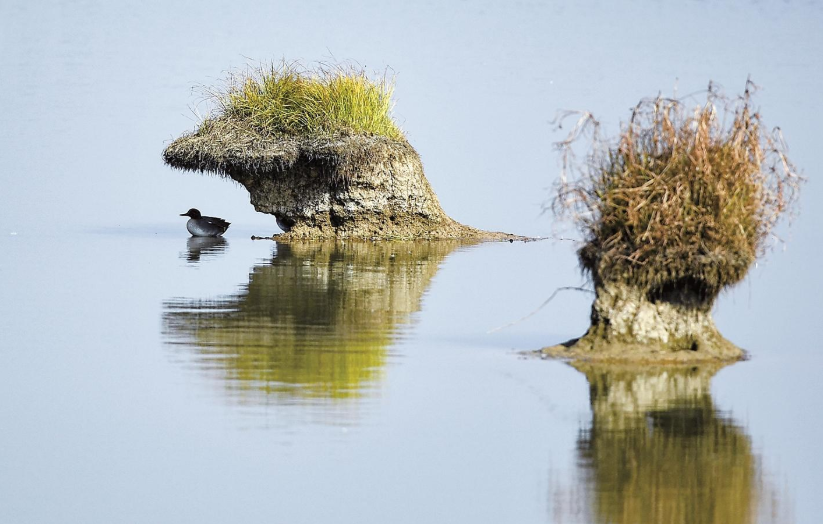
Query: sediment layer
<point x="629" y="326"/>
<point x="317" y="188"/>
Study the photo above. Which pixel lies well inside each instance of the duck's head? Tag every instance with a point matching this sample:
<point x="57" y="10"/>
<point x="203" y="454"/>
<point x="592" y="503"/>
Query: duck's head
<point x="192" y="213"/>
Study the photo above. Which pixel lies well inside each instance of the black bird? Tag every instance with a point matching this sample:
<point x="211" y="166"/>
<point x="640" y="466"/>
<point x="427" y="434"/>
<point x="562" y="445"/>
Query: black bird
<point x="200" y="226"/>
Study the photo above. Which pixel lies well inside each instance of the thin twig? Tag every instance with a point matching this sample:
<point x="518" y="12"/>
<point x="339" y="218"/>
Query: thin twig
<point x="541" y="306"/>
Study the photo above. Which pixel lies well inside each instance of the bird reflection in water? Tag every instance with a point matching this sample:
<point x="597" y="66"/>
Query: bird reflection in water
<point x="204" y="248"/>
<point x="657" y="450"/>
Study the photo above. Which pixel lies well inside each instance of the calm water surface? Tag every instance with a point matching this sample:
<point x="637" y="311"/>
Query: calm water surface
<point x="149" y="377"/>
<point x="162" y="379"/>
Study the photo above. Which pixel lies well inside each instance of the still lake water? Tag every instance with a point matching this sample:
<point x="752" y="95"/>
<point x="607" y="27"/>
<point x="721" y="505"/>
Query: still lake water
<point x="149" y="377"/>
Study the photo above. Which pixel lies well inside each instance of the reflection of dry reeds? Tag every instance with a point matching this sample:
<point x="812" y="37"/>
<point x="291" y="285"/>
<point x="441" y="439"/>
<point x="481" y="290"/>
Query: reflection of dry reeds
<point x="658" y="451"/>
<point x="688" y="465"/>
<point x="682" y="199"/>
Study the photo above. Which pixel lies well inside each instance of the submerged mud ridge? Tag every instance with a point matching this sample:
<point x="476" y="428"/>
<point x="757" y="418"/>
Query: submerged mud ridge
<point x="317" y="188"/>
<point x="627" y="324"/>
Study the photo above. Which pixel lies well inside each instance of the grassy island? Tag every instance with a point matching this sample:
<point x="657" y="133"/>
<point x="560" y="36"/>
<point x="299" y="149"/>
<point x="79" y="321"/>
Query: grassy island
<point x="320" y="151"/>
<point x="674" y="210"/>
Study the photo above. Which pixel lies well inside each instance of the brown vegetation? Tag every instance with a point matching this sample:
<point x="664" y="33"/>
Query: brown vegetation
<point x="683" y="197"/>
<point x="673" y="211"/>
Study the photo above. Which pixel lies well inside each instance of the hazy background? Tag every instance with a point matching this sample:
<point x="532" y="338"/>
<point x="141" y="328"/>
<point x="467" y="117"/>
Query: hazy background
<point x="95" y="90"/>
<point x="95" y="407"/>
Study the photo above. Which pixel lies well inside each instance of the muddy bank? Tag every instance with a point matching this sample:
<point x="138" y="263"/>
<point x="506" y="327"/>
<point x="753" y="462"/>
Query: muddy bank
<point x="367" y="187"/>
<point x="672" y="210"/>
<point x="629" y="325"/>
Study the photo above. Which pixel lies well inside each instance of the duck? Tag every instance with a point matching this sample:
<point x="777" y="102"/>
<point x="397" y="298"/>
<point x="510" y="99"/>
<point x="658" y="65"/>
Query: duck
<point x="200" y="226"/>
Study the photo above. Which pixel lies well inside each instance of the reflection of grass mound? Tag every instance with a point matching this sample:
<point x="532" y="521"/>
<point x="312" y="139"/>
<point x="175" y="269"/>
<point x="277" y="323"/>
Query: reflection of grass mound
<point x="674" y="211"/>
<point x="658" y="451"/>
<point x="316" y="322"/>
<point x="320" y="151"/>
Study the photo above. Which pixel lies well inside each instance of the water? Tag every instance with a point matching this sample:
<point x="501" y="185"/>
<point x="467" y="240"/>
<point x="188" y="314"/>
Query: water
<point x="149" y="377"/>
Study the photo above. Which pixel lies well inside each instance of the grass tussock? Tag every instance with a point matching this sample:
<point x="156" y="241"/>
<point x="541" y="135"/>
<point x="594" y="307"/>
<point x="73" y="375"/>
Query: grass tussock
<point x="228" y="148"/>
<point x="289" y="99"/>
<point x="267" y="120"/>
<point x="684" y="198"/>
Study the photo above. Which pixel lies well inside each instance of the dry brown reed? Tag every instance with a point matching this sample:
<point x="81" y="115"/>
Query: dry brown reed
<point x="684" y="198"/>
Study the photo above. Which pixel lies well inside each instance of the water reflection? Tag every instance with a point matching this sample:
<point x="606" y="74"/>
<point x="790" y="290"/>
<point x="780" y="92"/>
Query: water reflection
<point x="315" y="322"/>
<point x="657" y="450"/>
<point x="198" y="248"/>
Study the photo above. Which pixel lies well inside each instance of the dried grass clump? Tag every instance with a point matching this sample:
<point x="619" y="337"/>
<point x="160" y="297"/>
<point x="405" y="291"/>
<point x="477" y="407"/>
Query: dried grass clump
<point x="332" y="100"/>
<point x="683" y="199"/>
<point x="227" y="147"/>
<point x="268" y="119"/>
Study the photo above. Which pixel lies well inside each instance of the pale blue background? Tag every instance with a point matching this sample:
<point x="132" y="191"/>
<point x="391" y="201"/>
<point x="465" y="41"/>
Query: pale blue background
<point x="101" y="422"/>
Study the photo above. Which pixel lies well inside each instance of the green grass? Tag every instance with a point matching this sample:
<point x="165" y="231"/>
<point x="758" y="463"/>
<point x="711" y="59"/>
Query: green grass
<point x="286" y="98"/>
<point x="684" y="197"/>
